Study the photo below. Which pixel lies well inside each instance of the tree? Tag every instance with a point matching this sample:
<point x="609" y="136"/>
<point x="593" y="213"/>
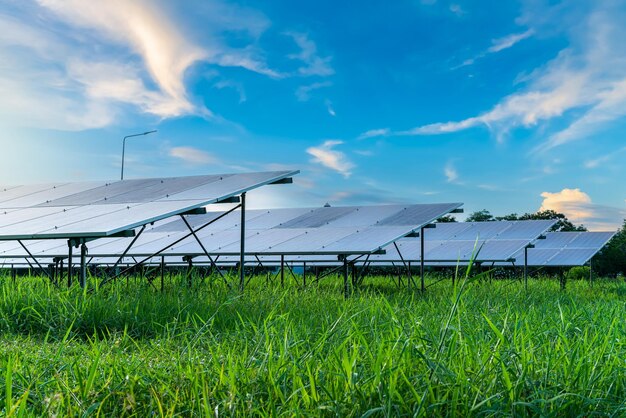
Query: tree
<point x="480" y="216"/>
<point x="446" y="219"/>
<point x="562" y="225"/>
<point x="511" y="217"/>
<point x="611" y="260"/>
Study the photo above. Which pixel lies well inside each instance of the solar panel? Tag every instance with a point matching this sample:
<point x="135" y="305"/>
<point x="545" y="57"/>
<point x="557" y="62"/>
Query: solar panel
<point x="565" y="249"/>
<point x="102" y="209"/>
<point x="454" y="242"/>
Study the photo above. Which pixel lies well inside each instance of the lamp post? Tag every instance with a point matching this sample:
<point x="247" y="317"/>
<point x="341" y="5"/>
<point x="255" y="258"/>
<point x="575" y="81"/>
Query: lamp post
<point x="124" y="147"/>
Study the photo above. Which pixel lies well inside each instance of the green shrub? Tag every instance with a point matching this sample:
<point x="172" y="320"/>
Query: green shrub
<point x="578" y="273"/>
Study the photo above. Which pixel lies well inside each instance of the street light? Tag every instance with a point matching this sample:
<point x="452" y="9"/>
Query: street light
<point x="124" y="147"/>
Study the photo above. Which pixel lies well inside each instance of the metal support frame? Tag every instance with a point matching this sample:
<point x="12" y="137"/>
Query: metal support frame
<point x="346" y="282"/>
<point x="406" y="266"/>
<point x="69" y="262"/>
<point x="109" y="279"/>
<point x="162" y="272"/>
<point x="282" y="270"/>
<point x="189" y="270"/>
<point x="340" y="257"/>
<point x="36" y="261"/>
<point x="526" y="268"/>
<point x="242" y="243"/>
<point x="304" y="274"/>
<point x="119" y="260"/>
<point x="83" y="265"/>
<point x="422" y="284"/>
<point x="206" y="253"/>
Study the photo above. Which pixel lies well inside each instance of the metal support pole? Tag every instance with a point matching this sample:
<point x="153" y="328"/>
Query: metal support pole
<point x="304" y="274"/>
<point x="562" y="277"/>
<point x="346" y="283"/>
<point x="189" y="268"/>
<point x="13" y="273"/>
<point x="423" y="285"/>
<point x="162" y="273"/>
<point x="282" y="270"/>
<point x="526" y="268"/>
<point x="590" y="274"/>
<point x="69" y="263"/>
<point x="242" y="244"/>
<point x="83" y="265"/>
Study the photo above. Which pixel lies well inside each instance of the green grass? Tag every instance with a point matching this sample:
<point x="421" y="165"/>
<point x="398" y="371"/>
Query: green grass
<point x="482" y="349"/>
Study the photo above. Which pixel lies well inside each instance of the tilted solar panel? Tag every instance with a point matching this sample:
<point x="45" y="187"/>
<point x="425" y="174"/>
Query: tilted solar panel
<point x="103" y="209"/>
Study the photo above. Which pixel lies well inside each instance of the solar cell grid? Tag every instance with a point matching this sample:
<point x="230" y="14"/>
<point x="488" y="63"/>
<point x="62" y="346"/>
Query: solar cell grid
<point x="101" y="209"/>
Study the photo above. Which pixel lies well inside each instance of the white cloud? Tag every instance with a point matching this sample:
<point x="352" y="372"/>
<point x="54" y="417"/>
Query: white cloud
<point x="579" y="208"/>
<point x="457" y="9"/>
<point x="508" y="41"/>
<point x="452" y="176"/>
<point x="328" y="157"/>
<point x="72" y="66"/>
<point x="597" y="162"/>
<point x="314" y="65"/>
<point x="192" y="155"/>
<point x="373" y="133"/>
<point x="587" y="76"/>
<point x="238" y="87"/>
<point x="330" y="109"/>
<point x="303" y="93"/>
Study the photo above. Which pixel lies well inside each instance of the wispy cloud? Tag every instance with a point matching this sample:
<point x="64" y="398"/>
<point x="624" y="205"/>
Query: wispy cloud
<point x="327" y="156"/>
<point x="579" y="208"/>
<point x="330" y="109"/>
<point x="314" y="65"/>
<point x="75" y="67"/>
<point x="508" y="41"/>
<point x="597" y="162"/>
<point x="374" y="133"/>
<point x="191" y="155"/>
<point x="457" y="9"/>
<point x="588" y="76"/>
<point x="452" y="176"/>
<point x="238" y="87"/>
<point x="303" y="93"/>
<point x="498" y="45"/>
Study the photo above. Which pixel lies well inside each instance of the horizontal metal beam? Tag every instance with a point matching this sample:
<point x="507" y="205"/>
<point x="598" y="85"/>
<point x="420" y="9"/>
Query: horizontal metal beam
<point x="286" y="180"/>
<point x="458" y="210"/>
<point x="195" y="211"/>
<point x="232" y="199"/>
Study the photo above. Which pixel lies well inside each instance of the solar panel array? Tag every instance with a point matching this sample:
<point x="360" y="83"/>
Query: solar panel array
<point x="454" y="242"/>
<point x="49" y="214"/>
<point x="565" y="249"/>
<point x="102" y="209"/>
<point x="324" y="230"/>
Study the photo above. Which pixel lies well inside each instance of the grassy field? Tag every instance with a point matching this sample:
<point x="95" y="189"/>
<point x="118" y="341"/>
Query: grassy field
<point x="481" y="348"/>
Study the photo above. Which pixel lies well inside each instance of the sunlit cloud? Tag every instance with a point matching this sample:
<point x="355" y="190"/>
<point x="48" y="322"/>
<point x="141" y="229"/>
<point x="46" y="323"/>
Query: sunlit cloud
<point x="579" y="208"/>
<point x="327" y="156"/>
<point x="76" y="67"/>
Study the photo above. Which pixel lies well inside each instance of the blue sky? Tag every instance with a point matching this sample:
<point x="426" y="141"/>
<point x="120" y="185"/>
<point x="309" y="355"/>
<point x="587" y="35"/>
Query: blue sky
<point x="509" y="106"/>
